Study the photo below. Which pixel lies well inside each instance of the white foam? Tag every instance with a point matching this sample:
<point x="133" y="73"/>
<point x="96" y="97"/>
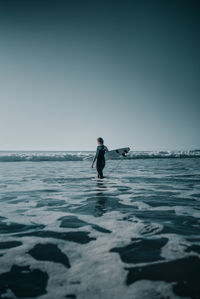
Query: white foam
<point x="39" y="156"/>
<point x="100" y="272"/>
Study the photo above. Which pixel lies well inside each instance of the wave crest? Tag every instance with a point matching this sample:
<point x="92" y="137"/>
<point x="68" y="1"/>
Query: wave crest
<point x="79" y="156"/>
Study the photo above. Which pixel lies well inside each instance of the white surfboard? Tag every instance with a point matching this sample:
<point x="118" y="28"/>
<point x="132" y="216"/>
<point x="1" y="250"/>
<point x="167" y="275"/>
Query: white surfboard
<point x="117" y="153"/>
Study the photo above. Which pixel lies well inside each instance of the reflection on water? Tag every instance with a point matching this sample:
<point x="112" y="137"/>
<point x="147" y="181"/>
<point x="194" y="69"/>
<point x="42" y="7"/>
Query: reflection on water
<point x="101" y="198"/>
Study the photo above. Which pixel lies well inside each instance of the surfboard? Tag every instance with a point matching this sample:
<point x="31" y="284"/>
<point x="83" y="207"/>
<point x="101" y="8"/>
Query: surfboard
<point x="117" y="153"/>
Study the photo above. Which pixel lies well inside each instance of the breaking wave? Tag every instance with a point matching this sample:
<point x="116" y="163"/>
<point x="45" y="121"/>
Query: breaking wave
<point x="164" y="154"/>
<point x="86" y="155"/>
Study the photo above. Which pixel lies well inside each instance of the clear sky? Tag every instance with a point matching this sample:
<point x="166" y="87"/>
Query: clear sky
<point x="71" y="71"/>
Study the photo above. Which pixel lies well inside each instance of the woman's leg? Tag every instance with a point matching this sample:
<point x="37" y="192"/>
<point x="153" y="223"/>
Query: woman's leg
<point x="102" y="167"/>
<point x="99" y="167"/>
<point x="100" y="173"/>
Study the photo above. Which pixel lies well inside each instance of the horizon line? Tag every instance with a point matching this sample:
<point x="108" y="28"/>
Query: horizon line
<point x="91" y="150"/>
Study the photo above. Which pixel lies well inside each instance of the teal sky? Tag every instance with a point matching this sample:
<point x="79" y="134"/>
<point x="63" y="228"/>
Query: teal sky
<point x="71" y="71"/>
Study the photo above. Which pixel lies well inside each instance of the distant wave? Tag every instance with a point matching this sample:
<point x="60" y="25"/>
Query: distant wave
<point x="79" y="156"/>
<point x="164" y="154"/>
<point x="40" y="156"/>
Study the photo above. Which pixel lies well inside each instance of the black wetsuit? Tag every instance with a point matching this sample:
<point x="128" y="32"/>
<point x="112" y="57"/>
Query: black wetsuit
<point x="100" y="163"/>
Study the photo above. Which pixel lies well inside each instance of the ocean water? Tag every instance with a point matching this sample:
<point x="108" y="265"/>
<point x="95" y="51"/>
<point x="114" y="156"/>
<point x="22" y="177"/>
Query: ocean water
<point x="66" y="234"/>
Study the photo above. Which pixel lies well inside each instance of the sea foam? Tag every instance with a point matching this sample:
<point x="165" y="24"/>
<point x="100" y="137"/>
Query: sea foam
<point x="41" y="156"/>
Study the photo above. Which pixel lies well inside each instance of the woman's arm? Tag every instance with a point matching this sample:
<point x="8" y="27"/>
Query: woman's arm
<point x="97" y="151"/>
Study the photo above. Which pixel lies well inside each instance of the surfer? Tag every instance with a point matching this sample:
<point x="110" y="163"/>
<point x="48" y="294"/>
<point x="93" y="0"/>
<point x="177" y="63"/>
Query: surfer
<point x="99" y="157"/>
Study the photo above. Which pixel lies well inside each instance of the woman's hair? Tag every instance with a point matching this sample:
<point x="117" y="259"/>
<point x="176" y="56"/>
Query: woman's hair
<point x="100" y="140"/>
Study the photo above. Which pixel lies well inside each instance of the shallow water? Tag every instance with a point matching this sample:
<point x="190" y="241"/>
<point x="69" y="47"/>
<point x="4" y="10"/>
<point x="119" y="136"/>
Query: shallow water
<point x="66" y="234"/>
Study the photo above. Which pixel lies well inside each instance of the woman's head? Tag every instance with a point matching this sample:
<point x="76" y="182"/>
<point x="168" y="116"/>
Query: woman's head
<point x="100" y="140"/>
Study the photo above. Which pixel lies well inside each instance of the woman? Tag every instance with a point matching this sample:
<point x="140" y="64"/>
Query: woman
<point x="99" y="157"/>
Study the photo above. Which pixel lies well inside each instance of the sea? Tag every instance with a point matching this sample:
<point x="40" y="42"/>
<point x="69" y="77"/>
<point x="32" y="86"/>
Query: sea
<point x="66" y="234"/>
